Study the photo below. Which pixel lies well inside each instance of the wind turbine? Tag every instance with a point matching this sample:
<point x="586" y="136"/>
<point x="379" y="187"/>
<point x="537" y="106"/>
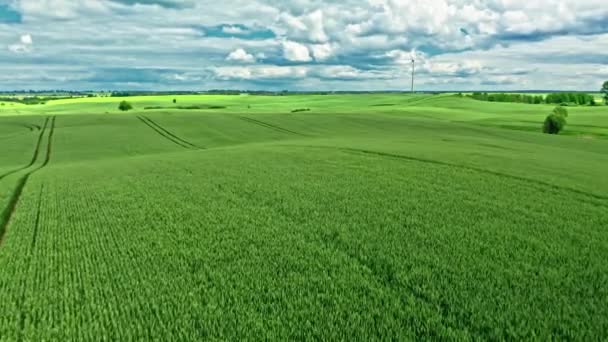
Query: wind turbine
<point x="413" y="56"/>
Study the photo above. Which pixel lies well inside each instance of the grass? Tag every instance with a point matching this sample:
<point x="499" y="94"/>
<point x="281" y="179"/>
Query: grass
<point x="434" y="217"/>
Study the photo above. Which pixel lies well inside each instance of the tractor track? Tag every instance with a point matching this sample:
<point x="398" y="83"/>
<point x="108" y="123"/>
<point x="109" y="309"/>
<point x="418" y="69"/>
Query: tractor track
<point x="9" y="211"/>
<point x="545" y="185"/>
<point x="37" y="222"/>
<point x="28" y="257"/>
<point x="269" y="126"/>
<point x="480" y="170"/>
<point x="168" y="135"/>
<point x="31" y="127"/>
<point x="171" y="134"/>
<point x="36" y="152"/>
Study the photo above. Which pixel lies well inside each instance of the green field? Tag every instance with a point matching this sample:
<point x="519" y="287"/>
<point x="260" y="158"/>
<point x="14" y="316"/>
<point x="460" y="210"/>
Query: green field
<point x="368" y="217"/>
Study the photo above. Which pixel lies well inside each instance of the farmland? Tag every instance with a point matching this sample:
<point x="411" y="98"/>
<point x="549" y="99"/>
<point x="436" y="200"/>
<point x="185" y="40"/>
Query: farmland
<point x="379" y="216"/>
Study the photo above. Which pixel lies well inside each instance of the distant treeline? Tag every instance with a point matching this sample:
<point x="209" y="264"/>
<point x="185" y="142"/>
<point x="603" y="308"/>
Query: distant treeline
<point x="151" y="93"/>
<point x="554" y="98"/>
<point x="574" y="98"/>
<point x="46" y="93"/>
<point x="501" y="97"/>
<point x="34" y="100"/>
<point x="26" y="100"/>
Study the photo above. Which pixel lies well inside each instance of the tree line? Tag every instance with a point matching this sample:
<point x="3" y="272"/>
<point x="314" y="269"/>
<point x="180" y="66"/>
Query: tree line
<point x="502" y="97"/>
<point x="575" y="98"/>
<point x="554" y="98"/>
<point x="35" y="100"/>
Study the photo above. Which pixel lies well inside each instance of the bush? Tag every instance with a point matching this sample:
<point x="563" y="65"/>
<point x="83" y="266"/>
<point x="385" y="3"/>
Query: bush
<point x="554" y="124"/>
<point x="125" y="106"/>
<point x="556" y="121"/>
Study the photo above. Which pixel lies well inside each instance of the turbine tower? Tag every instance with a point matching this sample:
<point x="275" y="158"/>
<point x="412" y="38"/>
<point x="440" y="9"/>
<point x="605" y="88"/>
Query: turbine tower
<point x="413" y="56"/>
<point x="413" y="72"/>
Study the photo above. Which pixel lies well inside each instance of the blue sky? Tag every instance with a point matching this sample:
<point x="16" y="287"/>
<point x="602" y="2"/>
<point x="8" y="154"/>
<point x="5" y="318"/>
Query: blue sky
<point x="303" y="44"/>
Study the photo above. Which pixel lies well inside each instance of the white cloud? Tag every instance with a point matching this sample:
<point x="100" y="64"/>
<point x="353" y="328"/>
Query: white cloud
<point x="450" y="68"/>
<point x="347" y="72"/>
<point x="63" y="9"/>
<point x="229" y="73"/>
<point x="260" y="72"/>
<point x="322" y="52"/>
<point x="308" y="27"/>
<point x="184" y="77"/>
<point x="240" y="55"/>
<point x="17" y="48"/>
<point x="503" y="81"/>
<point x="340" y="71"/>
<point x="234" y="30"/>
<point x="180" y="77"/>
<point x="24" y="45"/>
<point x="400" y="57"/>
<point x="296" y="52"/>
<point x="281" y="72"/>
<point x="26" y="39"/>
<point x="315" y="27"/>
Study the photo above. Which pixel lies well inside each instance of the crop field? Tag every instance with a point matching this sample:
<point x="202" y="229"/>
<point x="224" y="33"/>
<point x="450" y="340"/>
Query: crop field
<point x="336" y="217"/>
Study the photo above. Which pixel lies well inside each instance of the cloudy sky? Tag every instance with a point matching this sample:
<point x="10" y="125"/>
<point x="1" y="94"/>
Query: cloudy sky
<point x="303" y="44"/>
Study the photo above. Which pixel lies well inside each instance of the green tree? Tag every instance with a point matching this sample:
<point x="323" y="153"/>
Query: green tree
<point x="556" y="121"/>
<point x="554" y="124"/>
<point x="562" y="111"/>
<point x="125" y="106"/>
<point x="605" y="92"/>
